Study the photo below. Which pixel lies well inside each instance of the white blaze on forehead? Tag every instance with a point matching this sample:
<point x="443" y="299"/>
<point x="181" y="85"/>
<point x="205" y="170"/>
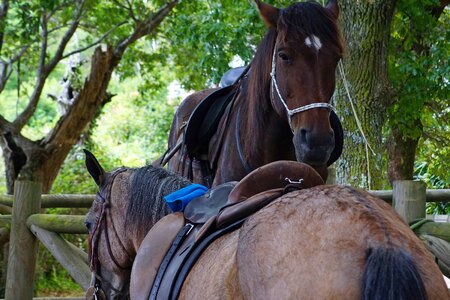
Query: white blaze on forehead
<point x="313" y="41"/>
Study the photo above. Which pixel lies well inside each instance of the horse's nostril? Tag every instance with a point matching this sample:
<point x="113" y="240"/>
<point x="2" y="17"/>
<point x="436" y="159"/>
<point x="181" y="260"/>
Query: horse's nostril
<point x="303" y="135"/>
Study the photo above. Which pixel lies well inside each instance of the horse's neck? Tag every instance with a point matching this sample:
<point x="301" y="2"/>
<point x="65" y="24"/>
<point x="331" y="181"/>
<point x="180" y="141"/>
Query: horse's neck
<point x="251" y="142"/>
<point x="159" y="209"/>
<point x="147" y="226"/>
<point x="264" y="135"/>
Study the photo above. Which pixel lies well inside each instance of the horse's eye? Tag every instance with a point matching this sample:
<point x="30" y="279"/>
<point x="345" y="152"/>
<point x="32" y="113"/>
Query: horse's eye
<point x="88" y="226"/>
<point x="284" y="57"/>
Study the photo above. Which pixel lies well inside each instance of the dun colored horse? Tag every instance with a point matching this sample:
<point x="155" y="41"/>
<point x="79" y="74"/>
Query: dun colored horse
<point x="326" y="242"/>
<point x="279" y="110"/>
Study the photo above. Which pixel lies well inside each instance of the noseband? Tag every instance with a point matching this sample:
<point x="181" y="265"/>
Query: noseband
<point x="94" y="290"/>
<point x="291" y="112"/>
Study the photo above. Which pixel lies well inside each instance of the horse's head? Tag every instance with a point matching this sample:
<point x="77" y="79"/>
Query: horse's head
<point x="128" y="204"/>
<point x="306" y="49"/>
<point x="110" y="249"/>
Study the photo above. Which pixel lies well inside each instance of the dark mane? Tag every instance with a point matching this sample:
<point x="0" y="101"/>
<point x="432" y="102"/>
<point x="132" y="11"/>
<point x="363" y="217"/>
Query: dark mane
<point x="256" y="98"/>
<point x="145" y="203"/>
<point x="295" y="22"/>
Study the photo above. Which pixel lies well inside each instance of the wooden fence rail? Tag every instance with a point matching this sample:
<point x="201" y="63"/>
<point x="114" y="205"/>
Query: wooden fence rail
<point x="85" y="201"/>
<point x="27" y="225"/>
<point x="436" y="195"/>
<point x="56" y="201"/>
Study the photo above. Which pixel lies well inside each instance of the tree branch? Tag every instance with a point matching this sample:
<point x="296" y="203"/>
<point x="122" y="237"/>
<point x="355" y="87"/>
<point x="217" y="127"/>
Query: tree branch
<point x="5" y="73"/>
<point x="44" y="41"/>
<point x="6" y="126"/>
<point x="127" y="8"/>
<point x="130" y="9"/>
<point x="65" y="39"/>
<point x="104" y="36"/>
<point x="93" y="94"/>
<point x="61" y="6"/>
<point x="56" y="28"/>
<point x="70" y="126"/>
<point x="145" y="27"/>
<point x="3" y="12"/>
<point x="6" y="67"/>
<point x="436" y="11"/>
<point x="23" y="118"/>
<point x="45" y="69"/>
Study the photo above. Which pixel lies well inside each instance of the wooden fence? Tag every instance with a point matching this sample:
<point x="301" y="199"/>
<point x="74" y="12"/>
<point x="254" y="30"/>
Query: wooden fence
<point x="22" y="223"/>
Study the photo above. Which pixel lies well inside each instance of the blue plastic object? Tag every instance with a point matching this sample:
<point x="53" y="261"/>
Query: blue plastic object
<point x="178" y="200"/>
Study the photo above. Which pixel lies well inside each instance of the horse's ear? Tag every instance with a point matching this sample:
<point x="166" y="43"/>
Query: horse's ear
<point x="268" y="13"/>
<point x="94" y="168"/>
<point x="333" y="8"/>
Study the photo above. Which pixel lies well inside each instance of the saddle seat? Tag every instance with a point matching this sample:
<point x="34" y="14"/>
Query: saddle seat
<point x="235" y="203"/>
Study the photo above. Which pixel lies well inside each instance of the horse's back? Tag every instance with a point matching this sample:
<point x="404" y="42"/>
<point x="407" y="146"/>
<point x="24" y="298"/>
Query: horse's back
<point x="315" y="243"/>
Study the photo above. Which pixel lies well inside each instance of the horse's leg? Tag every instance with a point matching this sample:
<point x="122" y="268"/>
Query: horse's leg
<point x="214" y="275"/>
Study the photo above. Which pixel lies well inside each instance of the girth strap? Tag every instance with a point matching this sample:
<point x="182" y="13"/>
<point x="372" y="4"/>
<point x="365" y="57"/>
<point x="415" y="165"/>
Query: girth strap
<point x="181" y="236"/>
<point x="193" y="257"/>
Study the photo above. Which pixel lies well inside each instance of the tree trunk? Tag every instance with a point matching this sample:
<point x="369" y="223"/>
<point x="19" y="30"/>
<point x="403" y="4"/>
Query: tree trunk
<point x="30" y="159"/>
<point x="401" y="145"/>
<point x="41" y="160"/>
<point x="401" y="156"/>
<point x="366" y="29"/>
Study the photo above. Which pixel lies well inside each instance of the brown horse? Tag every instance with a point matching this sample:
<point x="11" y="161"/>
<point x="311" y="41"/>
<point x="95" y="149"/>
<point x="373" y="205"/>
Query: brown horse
<point x="280" y="109"/>
<point x="326" y="242"/>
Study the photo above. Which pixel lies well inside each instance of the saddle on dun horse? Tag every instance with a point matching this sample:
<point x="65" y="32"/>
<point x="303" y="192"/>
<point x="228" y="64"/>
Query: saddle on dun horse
<point x="172" y="246"/>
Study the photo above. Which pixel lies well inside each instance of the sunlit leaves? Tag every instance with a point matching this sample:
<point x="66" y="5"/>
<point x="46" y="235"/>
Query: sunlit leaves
<point x="419" y="72"/>
<point x="418" y="63"/>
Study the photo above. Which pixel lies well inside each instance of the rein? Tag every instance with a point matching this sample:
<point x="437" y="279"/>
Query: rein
<point x="94" y="291"/>
<point x="291" y="112"/>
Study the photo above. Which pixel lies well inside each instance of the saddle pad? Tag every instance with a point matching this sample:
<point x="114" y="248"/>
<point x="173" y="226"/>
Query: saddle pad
<point x="231" y="76"/>
<point x="151" y="253"/>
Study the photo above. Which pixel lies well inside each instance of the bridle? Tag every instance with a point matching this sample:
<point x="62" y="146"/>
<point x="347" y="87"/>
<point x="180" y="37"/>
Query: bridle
<point x="94" y="291"/>
<point x="291" y="112"/>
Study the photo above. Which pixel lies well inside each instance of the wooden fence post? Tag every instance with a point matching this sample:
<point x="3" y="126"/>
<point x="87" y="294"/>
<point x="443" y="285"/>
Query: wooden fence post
<point x="23" y="244"/>
<point x="408" y="199"/>
<point x="331" y="175"/>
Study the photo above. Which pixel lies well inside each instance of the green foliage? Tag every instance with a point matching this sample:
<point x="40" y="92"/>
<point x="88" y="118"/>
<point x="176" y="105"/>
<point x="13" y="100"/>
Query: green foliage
<point x="194" y="47"/>
<point x="217" y="30"/>
<point x="419" y="73"/>
<point x="418" y="64"/>
<point x="133" y="128"/>
<point x="52" y="279"/>
<point x="426" y="173"/>
<point x="73" y="177"/>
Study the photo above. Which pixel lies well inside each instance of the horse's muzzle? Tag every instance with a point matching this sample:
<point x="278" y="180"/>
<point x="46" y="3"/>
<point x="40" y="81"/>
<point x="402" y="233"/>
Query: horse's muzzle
<point x="313" y="148"/>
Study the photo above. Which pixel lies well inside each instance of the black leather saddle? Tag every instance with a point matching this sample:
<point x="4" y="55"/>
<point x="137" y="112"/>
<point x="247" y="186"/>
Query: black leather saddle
<point x="204" y="120"/>
<point x="172" y="246"/>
